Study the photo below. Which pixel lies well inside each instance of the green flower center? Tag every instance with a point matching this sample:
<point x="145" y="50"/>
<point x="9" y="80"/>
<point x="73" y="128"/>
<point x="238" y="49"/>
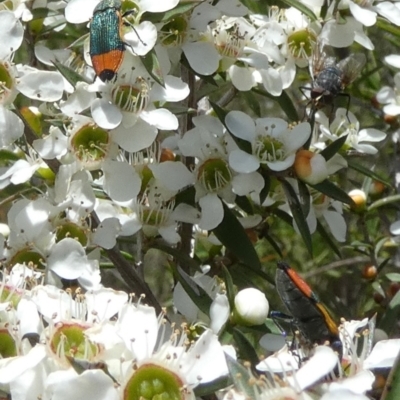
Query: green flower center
<point x="152" y="382"/>
<point x="173" y="32"/>
<point x="7" y="295"/>
<point x="71" y="230"/>
<point x="90" y="144"/>
<point x="214" y="174"/>
<point x="7" y="344"/>
<point x="301" y="43"/>
<point x="6" y="82"/>
<point x="28" y="257"/>
<point x="132" y="98"/>
<point x="269" y="149"/>
<point x="70" y="340"/>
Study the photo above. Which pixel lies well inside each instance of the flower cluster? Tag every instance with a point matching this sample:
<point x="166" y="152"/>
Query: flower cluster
<point x="143" y="141"/>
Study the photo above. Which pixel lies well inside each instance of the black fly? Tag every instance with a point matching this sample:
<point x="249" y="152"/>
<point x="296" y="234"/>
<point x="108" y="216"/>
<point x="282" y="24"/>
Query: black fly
<point x="330" y="78"/>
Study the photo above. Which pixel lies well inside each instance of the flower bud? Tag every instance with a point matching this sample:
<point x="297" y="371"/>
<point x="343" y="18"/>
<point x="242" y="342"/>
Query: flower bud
<point x="360" y="199"/>
<point x="251" y="307"/>
<point x="310" y="167"/>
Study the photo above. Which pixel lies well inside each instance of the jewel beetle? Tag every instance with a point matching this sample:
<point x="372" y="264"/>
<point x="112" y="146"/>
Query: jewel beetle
<point x="310" y="316"/>
<point x="106" y="46"/>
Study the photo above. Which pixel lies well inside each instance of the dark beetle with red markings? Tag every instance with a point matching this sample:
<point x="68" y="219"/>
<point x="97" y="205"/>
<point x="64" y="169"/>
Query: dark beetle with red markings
<point x="310" y="316"/>
<point x="106" y="45"/>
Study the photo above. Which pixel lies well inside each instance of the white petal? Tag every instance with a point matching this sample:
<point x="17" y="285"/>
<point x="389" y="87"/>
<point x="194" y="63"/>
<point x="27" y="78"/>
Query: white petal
<point x="186" y="213"/>
<point x="67" y="258"/>
<point x="170" y="234"/>
<point x="175" y="90"/>
<point x="41" y="85"/>
<point x="28" y="317"/>
<point x="52" y="145"/>
<point x="243" y="162"/>
<point x="202" y="57"/>
<point x="343" y="394"/>
<point x="364" y="15"/>
<point x="78" y="101"/>
<point x="279" y="362"/>
<point x="90" y="385"/>
<point x="283" y="164"/>
<point x="319" y="365"/>
<point x="142" y="39"/>
<point x="138" y="327"/>
<point x="205" y="361"/>
<point x="219" y="312"/>
<point x="371" y="135"/>
<point x="392" y="109"/>
<point x="244" y="184"/>
<point x="241" y="125"/>
<point x="357" y="384"/>
<point x="78" y="11"/>
<point x="338" y="35"/>
<point x="388" y="10"/>
<point x="105" y="114"/>
<point x="272" y="342"/>
<point x="135" y="138"/>
<point x="272" y="81"/>
<point x="116" y="172"/>
<point x="212" y="211"/>
<point x="104" y="303"/>
<point x="395" y="228"/>
<point x="174" y="175"/>
<point x="157" y="6"/>
<point x="11" y="127"/>
<point x="393" y="60"/>
<point x="383" y="354"/>
<point x="337" y="225"/>
<point x="17" y="365"/>
<point x="107" y="232"/>
<point x="11" y="33"/>
<point x="160" y="118"/>
<point x="242" y="78"/>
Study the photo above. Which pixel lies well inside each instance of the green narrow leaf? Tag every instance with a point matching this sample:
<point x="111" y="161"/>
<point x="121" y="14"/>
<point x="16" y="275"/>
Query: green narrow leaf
<point x="324" y="234"/>
<point x="367" y="172"/>
<point x="152" y="65"/>
<point x="272" y="242"/>
<point x="244" y="203"/>
<point x="333" y="191"/>
<point x="385" y="201"/>
<point x="392" y="386"/>
<point x="69" y="74"/>
<point x="297" y="212"/>
<point x="265" y="190"/>
<point x="182" y="258"/>
<point x="209" y="388"/>
<point x="230" y="289"/>
<point x="284" y="102"/>
<point x="304" y="197"/>
<point x="333" y="148"/>
<point x="197" y="294"/>
<point x="232" y="235"/>
<point x="246" y="350"/>
<point x="252" y="102"/>
<point x="302" y="8"/>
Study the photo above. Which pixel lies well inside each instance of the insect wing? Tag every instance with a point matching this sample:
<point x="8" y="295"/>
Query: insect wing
<point x="319" y="60"/>
<point x="310" y="315"/>
<point x="351" y="67"/>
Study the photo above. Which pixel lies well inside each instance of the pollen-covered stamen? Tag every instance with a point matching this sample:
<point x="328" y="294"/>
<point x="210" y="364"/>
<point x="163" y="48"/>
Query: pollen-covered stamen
<point x="301" y="44"/>
<point x="173" y="33"/>
<point x="214" y="174"/>
<point x="70" y="340"/>
<point x="157" y="215"/>
<point x="132" y="98"/>
<point x="229" y="43"/>
<point x="151" y="381"/>
<point x="90" y="145"/>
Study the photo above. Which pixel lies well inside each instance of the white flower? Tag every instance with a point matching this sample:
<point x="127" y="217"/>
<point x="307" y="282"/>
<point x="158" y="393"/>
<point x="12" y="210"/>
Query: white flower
<point x="345" y="123"/>
<point x="273" y="142"/>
